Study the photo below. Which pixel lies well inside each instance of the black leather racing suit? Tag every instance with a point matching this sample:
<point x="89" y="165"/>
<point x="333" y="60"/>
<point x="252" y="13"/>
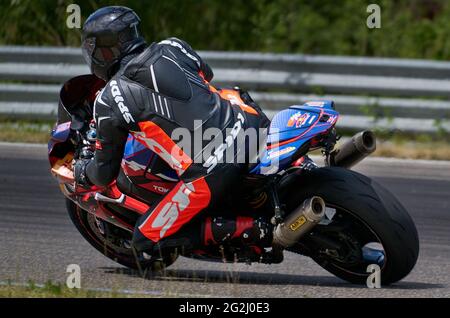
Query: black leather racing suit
<point x="163" y="88"/>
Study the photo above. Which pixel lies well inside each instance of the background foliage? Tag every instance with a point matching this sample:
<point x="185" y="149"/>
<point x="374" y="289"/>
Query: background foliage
<point x="410" y="28"/>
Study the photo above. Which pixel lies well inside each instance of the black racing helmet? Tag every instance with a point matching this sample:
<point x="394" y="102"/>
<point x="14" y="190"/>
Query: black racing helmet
<point x="109" y="34"/>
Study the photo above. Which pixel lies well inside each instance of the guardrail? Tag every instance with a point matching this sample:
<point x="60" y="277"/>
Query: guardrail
<point x="394" y="94"/>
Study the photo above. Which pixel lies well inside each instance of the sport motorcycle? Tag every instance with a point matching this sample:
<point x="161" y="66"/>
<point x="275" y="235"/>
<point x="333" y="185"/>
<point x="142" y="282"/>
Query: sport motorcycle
<point x="341" y="219"/>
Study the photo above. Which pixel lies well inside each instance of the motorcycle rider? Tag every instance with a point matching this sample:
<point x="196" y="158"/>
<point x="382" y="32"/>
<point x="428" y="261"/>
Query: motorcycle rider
<point x="150" y="91"/>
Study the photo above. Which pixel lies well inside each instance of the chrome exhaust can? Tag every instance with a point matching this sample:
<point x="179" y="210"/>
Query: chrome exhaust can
<point x="299" y="222"/>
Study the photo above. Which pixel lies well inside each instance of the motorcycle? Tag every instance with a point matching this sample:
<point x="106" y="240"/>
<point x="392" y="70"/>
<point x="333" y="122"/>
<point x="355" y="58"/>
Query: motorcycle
<point x="341" y="219"/>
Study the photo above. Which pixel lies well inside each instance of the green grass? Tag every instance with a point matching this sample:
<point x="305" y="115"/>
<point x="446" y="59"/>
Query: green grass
<point x="25" y="131"/>
<point x="57" y="290"/>
<point x="434" y="150"/>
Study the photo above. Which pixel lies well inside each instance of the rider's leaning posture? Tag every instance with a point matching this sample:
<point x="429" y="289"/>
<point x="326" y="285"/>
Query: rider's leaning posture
<point x="150" y="91"/>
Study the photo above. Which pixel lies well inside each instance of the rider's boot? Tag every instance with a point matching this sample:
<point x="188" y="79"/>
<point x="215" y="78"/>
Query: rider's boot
<point x="180" y="243"/>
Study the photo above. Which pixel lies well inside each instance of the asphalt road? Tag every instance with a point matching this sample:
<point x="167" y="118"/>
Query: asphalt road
<point x="38" y="241"/>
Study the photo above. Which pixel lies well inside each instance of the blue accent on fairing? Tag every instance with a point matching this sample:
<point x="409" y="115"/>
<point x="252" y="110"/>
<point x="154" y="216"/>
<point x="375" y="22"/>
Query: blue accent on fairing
<point x="300" y="123"/>
<point x="137" y="152"/>
<point x="279" y="129"/>
<point x="132" y="147"/>
<point x="324" y="104"/>
<point x="373" y="256"/>
<point x="59" y="134"/>
<point x="170" y="173"/>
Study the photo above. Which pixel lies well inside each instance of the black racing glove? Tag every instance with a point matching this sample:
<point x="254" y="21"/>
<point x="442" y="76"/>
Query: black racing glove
<point x="246" y="98"/>
<point x="79" y="170"/>
<point x="207" y="72"/>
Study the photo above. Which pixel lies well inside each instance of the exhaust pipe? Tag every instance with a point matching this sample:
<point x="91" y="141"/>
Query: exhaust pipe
<point x="299" y="222"/>
<point x="354" y="150"/>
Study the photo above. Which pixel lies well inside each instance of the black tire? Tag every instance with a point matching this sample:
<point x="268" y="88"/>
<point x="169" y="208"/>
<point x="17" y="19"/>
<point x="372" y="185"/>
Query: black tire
<point x="123" y="256"/>
<point x="371" y="203"/>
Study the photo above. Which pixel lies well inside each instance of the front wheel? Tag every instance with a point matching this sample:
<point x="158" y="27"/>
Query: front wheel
<point x="364" y="224"/>
<point x="111" y="241"/>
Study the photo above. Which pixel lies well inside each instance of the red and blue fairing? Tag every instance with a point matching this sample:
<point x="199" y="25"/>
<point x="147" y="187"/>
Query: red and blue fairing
<point x="146" y="170"/>
<point x="59" y="134"/>
<point x="295" y="131"/>
<point x="136" y="157"/>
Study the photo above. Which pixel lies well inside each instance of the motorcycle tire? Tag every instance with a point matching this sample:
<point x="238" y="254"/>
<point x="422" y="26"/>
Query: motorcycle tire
<point x="372" y="204"/>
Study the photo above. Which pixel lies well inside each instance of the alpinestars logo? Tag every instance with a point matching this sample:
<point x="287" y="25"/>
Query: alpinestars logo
<point x="115" y="91"/>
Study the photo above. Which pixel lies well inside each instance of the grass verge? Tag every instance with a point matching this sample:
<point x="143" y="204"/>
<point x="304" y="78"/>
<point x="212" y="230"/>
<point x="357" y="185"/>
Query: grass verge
<point x="56" y="290"/>
<point x="25" y="131"/>
<point x="436" y="150"/>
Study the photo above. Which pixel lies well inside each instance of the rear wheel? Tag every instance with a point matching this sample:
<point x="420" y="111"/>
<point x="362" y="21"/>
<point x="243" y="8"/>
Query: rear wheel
<point x="111" y="241"/>
<point x="364" y="224"/>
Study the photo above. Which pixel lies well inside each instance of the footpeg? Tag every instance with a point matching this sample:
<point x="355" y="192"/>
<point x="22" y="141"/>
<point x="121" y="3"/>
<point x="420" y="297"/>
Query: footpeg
<point x="101" y="197"/>
<point x="300" y="222"/>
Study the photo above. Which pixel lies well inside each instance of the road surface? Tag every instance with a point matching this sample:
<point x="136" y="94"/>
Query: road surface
<point x="38" y="241"/>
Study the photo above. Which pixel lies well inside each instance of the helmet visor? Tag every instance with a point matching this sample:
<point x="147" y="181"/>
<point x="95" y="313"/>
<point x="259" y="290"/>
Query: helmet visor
<point x="88" y="48"/>
<point x="98" y="53"/>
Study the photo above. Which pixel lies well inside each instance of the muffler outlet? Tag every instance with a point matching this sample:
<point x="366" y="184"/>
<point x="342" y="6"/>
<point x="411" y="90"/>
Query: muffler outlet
<point x="299" y="222"/>
<point x="354" y="150"/>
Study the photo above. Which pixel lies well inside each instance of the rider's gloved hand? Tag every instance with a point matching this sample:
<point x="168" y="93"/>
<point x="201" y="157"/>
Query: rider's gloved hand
<point x="245" y="96"/>
<point x="79" y="169"/>
<point x="247" y="99"/>
<point x="86" y="153"/>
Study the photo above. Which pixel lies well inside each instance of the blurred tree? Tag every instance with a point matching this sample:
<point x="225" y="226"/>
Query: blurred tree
<point x="409" y="28"/>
